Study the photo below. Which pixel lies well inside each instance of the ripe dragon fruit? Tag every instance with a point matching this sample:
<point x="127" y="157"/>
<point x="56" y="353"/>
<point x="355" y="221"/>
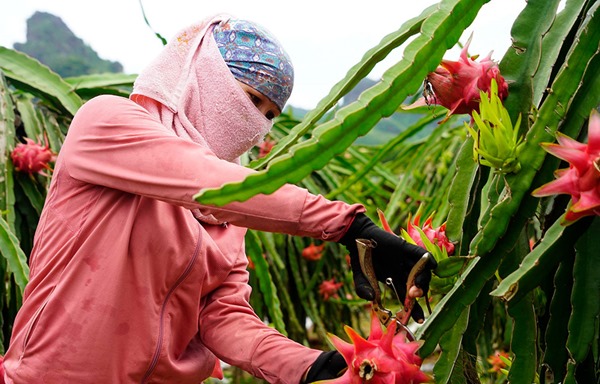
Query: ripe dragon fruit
<point x="265" y="147"/>
<point x="456" y="84"/>
<point x="329" y="288"/>
<point x="498" y="361"/>
<point x="582" y="179"/>
<point x="31" y="157"/>
<point x="437" y="236"/>
<point x="439" y="245"/>
<point x="313" y="252"/>
<point x="382" y="358"/>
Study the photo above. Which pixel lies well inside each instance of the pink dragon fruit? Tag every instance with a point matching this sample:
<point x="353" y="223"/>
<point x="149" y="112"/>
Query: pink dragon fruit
<point x="456" y="84"/>
<point x="436" y="235"/>
<point x="265" y="147"/>
<point x="313" y="252"/>
<point x="31" y="157"/>
<point x="582" y="179"/>
<point x="382" y="358"/>
<point x="329" y="288"/>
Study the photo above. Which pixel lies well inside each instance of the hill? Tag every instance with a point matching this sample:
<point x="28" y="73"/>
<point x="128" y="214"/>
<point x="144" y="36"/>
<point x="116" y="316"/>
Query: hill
<point x="50" y="41"/>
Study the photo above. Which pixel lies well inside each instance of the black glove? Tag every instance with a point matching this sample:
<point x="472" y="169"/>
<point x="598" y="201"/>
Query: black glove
<point x="328" y="365"/>
<point x="392" y="257"/>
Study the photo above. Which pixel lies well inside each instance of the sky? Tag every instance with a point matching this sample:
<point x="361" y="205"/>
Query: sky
<point x="323" y="38"/>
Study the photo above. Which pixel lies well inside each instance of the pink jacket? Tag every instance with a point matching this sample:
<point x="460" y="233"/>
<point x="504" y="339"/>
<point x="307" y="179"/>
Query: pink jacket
<point x="126" y="286"/>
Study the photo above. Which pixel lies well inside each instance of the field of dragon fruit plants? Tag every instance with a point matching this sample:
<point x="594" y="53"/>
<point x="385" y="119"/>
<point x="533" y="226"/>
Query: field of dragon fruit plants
<point x="498" y="175"/>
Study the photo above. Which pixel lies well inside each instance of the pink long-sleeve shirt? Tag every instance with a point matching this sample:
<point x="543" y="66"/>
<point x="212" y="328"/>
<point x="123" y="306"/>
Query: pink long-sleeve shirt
<point x="126" y="286"/>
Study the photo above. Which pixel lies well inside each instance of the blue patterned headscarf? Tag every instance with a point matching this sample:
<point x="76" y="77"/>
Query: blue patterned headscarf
<point x="256" y="59"/>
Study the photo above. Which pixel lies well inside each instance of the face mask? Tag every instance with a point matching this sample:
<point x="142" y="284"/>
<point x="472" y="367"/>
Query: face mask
<point x="231" y="124"/>
<point x="221" y="111"/>
<point x="201" y="99"/>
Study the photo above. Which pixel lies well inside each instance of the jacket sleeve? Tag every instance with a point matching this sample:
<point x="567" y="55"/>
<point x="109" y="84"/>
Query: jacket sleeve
<point x="232" y="331"/>
<point x="115" y="143"/>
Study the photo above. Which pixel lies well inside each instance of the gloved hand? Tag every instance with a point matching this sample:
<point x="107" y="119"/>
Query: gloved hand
<point x="392" y="257"/>
<point x="328" y="365"/>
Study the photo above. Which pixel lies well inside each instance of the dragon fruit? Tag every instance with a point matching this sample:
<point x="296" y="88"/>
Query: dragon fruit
<point x="265" y="147"/>
<point x="382" y="358"/>
<point x="313" y="252"/>
<point x="31" y="157"/>
<point x="329" y="288"/>
<point x="456" y="85"/>
<point x="437" y="235"/>
<point x="582" y="179"/>
<point x="498" y="361"/>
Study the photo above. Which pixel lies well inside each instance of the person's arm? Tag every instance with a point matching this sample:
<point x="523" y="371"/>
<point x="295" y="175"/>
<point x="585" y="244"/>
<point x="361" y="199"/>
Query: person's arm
<point x="115" y="143"/>
<point x="232" y="331"/>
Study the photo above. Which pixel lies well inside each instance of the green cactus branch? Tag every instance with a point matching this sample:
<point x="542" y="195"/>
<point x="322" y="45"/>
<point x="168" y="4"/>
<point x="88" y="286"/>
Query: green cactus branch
<point x="39" y="79"/>
<point x="352" y="78"/>
<point x="440" y="32"/>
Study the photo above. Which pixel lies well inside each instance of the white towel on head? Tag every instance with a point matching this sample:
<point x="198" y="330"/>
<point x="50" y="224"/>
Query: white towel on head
<point x="190" y="89"/>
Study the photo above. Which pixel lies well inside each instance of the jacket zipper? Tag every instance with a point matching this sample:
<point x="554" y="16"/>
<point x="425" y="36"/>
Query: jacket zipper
<point x="163" y="308"/>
